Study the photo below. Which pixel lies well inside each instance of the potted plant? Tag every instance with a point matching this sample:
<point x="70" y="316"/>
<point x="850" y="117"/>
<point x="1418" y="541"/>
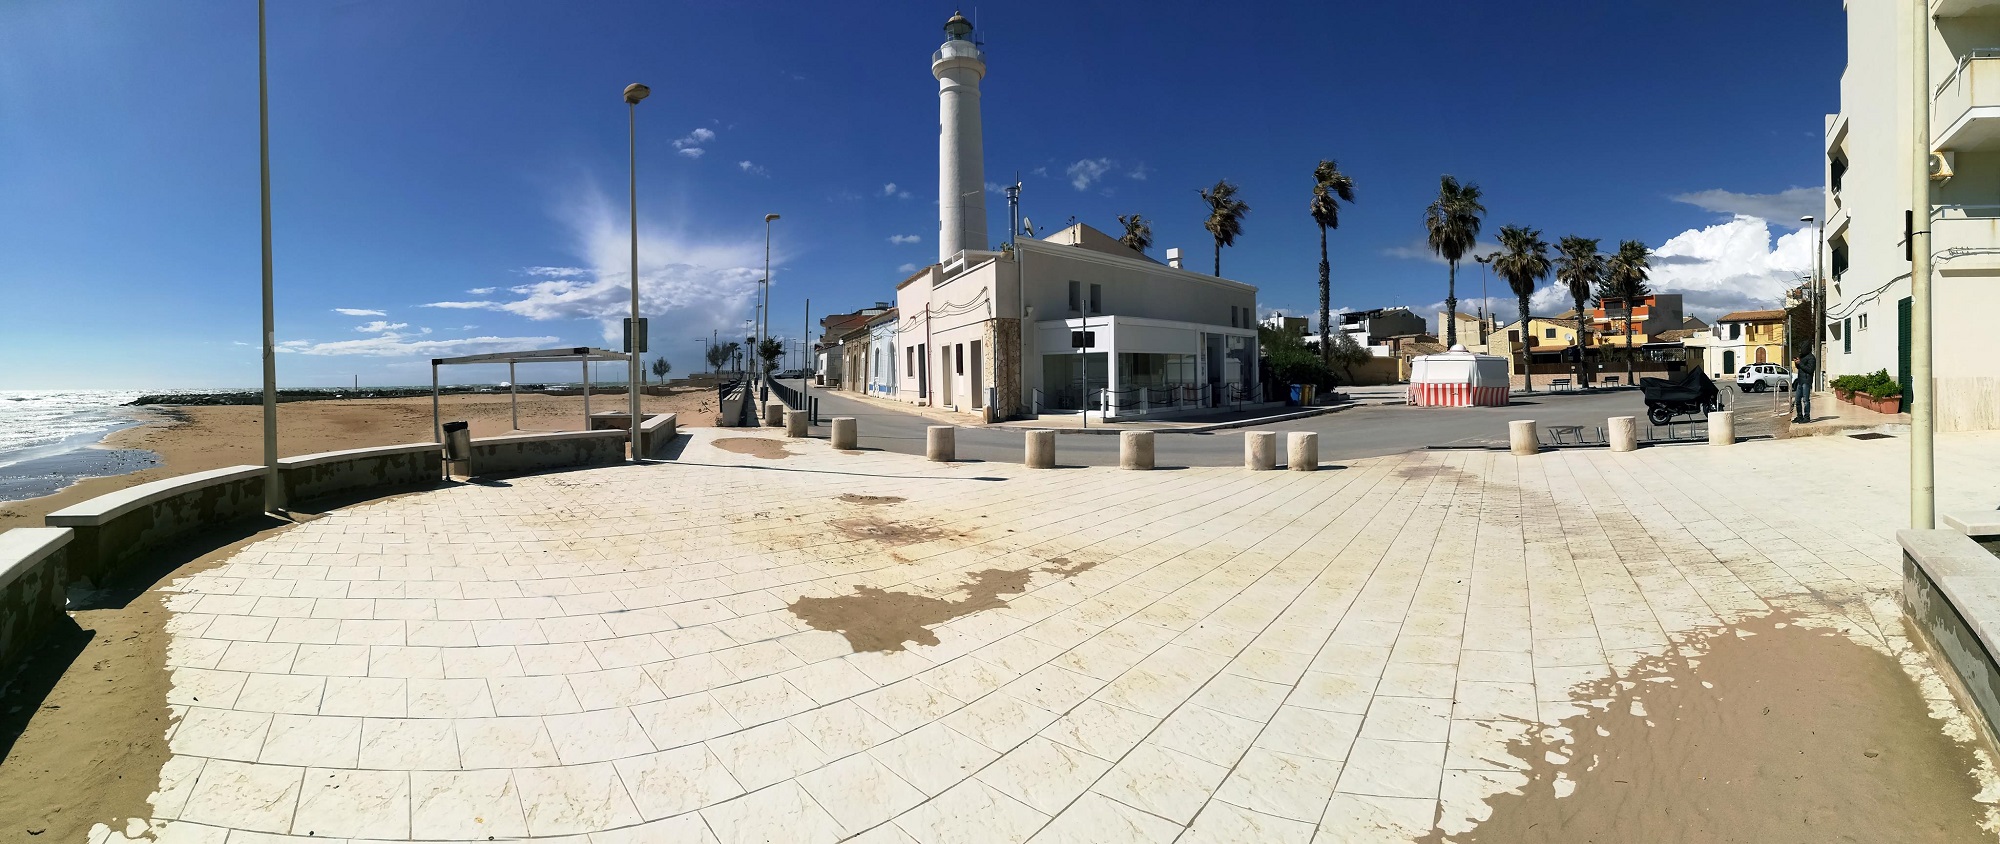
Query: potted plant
<point x="1844" y="387"/>
<point x="1882" y="393"/>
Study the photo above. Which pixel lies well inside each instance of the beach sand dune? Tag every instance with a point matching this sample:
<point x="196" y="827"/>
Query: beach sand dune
<point x="192" y="439"/>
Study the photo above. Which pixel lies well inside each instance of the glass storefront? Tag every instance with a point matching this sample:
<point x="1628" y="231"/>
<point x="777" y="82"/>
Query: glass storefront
<point x="1155" y="370"/>
<point x="1069" y="379"/>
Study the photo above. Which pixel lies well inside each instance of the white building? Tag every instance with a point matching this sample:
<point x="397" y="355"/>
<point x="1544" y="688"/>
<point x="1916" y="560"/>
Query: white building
<point x="1868" y="188"/>
<point x="990" y="332"/>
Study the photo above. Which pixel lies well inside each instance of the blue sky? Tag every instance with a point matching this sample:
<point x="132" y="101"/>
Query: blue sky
<point x="425" y="151"/>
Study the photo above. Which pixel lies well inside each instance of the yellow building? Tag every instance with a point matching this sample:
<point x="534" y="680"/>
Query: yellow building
<point x="1745" y="337"/>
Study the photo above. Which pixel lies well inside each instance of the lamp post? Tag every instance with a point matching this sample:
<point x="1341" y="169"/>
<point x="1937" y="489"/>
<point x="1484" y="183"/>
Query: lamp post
<point x="1922" y="395"/>
<point x="764" y="319"/>
<point x="633" y="94"/>
<point x="1818" y="292"/>
<point x="274" y="492"/>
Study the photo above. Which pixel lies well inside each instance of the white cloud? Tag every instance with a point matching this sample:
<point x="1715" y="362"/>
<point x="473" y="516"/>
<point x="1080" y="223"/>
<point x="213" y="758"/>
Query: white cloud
<point x="908" y="268"/>
<point x="1731" y="266"/>
<point x="1419" y="250"/>
<point x="890" y="190"/>
<point x="481" y="291"/>
<point x="1139" y="172"/>
<point x="380" y="326"/>
<point x="691" y="146"/>
<point x="463" y="306"/>
<point x="1039" y="171"/>
<point x="996" y="187"/>
<point x="555" y="272"/>
<point x="360" y="312"/>
<point x="904" y="238"/>
<point x="397" y="345"/>
<point x="1783" y="208"/>
<point x="1082" y="173"/>
<point x="693" y="152"/>
<point x="752" y="169"/>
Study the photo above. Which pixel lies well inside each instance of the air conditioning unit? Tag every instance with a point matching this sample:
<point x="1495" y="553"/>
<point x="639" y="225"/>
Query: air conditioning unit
<point x="1941" y="165"/>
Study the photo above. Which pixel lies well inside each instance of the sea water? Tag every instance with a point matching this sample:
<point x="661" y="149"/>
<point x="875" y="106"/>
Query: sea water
<point x="48" y="439"/>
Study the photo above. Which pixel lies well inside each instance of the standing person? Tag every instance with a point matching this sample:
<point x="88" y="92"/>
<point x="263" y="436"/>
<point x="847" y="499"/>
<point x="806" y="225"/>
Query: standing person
<point x="1804" y="367"/>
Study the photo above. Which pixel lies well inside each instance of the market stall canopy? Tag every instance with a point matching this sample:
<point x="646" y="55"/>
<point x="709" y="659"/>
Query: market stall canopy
<point x="1459" y="378"/>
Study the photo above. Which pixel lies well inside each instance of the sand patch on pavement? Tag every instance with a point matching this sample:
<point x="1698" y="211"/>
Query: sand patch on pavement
<point x="755" y="447"/>
<point x="1761" y="732"/>
<point x="876" y="619"/>
<point x="885" y="531"/>
<point x="852" y="498"/>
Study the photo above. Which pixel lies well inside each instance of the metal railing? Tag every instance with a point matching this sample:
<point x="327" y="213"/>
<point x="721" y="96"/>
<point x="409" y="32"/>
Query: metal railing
<point x="793" y="399"/>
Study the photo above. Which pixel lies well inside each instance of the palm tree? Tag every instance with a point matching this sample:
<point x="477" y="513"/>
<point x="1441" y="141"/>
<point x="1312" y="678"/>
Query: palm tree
<point x="1625" y="280"/>
<point x="1581" y="268"/>
<point x="1452" y="221"/>
<point x="1138" y="233"/>
<point x="1523" y="261"/>
<point x="1330" y="188"/>
<point x="1225" y="217"/>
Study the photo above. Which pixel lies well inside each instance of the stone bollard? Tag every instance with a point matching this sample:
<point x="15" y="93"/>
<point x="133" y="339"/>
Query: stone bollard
<point x="1521" y="437"/>
<point x="774" y="414"/>
<point x="795" y="423"/>
<point x="941" y="443"/>
<point x="1722" y="427"/>
<point x="1624" y="433"/>
<point x="1302" y="451"/>
<point x="843" y="433"/>
<point x="1260" y="450"/>
<point x="1135" y="449"/>
<point x="1041" y="449"/>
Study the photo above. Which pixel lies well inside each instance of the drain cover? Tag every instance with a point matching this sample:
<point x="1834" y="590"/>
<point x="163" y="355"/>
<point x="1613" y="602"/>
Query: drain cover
<point x="1869" y="436"/>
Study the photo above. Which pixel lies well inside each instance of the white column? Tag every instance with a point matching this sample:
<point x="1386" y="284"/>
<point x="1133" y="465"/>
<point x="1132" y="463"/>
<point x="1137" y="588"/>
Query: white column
<point x="958" y="67"/>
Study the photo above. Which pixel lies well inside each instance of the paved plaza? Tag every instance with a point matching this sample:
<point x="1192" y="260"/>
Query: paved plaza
<point x="743" y="645"/>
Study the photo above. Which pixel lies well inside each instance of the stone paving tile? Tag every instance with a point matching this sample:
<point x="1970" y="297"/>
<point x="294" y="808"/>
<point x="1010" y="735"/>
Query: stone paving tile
<point x="610" y="655"/>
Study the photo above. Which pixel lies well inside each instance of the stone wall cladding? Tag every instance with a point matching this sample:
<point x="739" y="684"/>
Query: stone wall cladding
<point x="108" y="539"/>
<point x="1003" y="367"/>
<point x="1951" y="595"/>
<point x="519" y="454"/>
<point x="34" y="580"/>
<point x="383" y="470"/>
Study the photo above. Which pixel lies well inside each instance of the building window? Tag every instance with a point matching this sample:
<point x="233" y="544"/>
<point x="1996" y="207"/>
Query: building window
<point x="1097" y="298"/>
<point x="1549" y="333"/>
<point x="958" y="359"/>
<point x="1864" y="323"/>
<point x="1232" y="317"/>
<point x="1736" y="331"/>
<point x="912" y="363"/>
<point x="1076" y="296"/>
<point x="1846" y="338"/>
<point x="1836" y="167"/>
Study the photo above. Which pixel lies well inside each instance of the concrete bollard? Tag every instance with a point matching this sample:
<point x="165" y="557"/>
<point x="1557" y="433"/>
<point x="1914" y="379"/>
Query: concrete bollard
<point x="941" y="443"/>
<point x="1135" y="449"/>
<point x="795" y="423"/>
<point x="1041" y="449"/>
<point x="843" y="433"/>
<point x="1260" y="450"/>
<point x="1302" y="451"/>
<point x="1722" y="427"/>
<point x="1521" y="437"/>
<point x="1624" y="433"/>
<point x="774" y="414"/>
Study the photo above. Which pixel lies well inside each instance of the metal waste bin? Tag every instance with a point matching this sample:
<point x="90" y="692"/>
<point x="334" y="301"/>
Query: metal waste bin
<point x="457" y="442"/>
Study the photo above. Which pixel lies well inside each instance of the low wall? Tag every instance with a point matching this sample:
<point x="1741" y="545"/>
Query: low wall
<point x="521" y="453"/>
<point x="115" y="527"/>
<point x="331" y="473"/>
<point x="1951" y="595"/>
<point x="34" y="580"/>
<point x="655" y="432"/>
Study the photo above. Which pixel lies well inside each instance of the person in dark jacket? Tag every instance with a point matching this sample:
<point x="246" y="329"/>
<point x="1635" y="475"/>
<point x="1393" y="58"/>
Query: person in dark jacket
<point x="1804" y="367"/>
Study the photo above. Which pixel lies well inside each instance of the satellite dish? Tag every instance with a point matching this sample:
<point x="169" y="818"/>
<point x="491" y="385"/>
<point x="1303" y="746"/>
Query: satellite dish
<point x="1027" y="226"/>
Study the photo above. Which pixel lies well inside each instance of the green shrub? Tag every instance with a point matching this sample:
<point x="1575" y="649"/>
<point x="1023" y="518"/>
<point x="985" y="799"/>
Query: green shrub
<point x="1849" y="383"/>
<point x="1881" y="385"/>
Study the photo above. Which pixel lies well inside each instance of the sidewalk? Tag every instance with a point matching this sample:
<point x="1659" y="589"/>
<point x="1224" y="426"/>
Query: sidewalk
<point x="1831" y="416"/>
<point x="1071" y="423"/>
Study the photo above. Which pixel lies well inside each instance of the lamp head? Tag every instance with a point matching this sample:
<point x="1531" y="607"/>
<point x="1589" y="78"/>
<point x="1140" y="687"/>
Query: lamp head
<point x="770" y="217"/>
<point x="636" y="92"/>
<point x="1806" y="219"/>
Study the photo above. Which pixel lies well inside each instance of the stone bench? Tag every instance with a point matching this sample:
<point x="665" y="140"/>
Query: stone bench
<point x="1951" y="595"/>
<point x="384" y="469"/>
<point x="115" y="527"/>
<point x="655" y="432"/>
<point x="34" y="581"/>
<point x="522" y="453"/>
<point x="1974" y="523"/>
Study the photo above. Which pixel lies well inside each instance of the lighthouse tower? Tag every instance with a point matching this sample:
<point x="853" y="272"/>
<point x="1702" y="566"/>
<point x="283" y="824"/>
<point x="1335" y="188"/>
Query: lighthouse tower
<point x="958" y="66"/>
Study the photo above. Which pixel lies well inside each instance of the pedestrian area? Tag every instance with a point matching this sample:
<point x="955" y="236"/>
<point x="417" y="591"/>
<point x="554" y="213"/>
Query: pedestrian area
<point x="774" y="641"/>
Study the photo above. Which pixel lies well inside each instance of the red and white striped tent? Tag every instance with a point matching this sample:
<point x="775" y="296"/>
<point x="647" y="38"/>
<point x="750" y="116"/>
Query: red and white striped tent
<point x="1458" y="378"/>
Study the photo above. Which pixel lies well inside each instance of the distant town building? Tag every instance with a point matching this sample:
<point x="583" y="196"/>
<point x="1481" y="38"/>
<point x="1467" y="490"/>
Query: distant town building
<point x="1742" y="338"/>
<point x="1373" y="328"/>
<point x="1294" y="325"/>
<point x="1650" y="314"/>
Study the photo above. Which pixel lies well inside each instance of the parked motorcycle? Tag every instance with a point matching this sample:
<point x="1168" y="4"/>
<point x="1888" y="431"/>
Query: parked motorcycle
<point x="1693" y="394"/>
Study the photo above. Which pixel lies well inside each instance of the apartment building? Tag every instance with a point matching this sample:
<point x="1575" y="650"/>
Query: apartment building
<point x="1868" y="173"/>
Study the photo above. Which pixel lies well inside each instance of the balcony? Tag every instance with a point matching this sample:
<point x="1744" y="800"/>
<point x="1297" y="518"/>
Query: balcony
<point x="1956" y="8"/>
<point x="1965" y="239"/>
<point x="1965" y="114"/>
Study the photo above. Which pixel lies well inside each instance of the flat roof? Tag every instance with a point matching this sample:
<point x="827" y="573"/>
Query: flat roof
<point x="573" y="354"/>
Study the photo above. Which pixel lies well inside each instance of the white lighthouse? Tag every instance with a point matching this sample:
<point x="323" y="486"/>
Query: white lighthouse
<point x="958" y="66"/>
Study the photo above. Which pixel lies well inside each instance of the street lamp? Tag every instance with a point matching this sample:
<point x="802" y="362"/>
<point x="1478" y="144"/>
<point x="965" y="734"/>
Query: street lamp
<point x="1819" y="297"/>
<point x="764" y="317"/>
<point x="274" y="492"/>
<point x="633" y="341"/>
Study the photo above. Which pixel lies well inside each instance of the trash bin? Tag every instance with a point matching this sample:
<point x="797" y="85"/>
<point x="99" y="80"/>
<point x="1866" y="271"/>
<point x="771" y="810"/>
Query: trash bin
<point x="1298" y="396"/>
<point x="457" y="441"/>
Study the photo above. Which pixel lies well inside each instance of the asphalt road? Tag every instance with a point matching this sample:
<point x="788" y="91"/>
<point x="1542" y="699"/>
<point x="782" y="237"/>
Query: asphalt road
<point x="1363" y="431"/>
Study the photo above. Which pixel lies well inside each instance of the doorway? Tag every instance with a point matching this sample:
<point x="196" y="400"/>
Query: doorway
<point x="1728" y="362"/>
<point x="978" y="379"/>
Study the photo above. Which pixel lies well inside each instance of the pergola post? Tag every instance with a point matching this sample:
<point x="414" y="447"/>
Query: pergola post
<point x="513" y="398"/>
<point x="586" y="394"/>
<point x="437" y="424"/>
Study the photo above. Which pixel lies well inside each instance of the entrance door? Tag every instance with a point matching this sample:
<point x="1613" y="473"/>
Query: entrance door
<point x="978" y="379"/>
<point x="1215" y="363"/>
<point x="944" y="375"/>
<point x="1760" y="355"/>
<point x="1729" y="362"/>
<point x="1903" y="352"/>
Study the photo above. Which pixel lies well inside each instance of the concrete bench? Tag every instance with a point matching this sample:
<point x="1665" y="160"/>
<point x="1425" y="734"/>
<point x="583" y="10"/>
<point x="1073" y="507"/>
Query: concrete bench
<point x="34" y="581"/>
<point x="1977" y="524"/>
<point x="520" y="453"/>
<point x="385" y="468"/>
<point x="655" y="432"/>
<point x="1951" y="595"/>
<point x="115" y="527"/>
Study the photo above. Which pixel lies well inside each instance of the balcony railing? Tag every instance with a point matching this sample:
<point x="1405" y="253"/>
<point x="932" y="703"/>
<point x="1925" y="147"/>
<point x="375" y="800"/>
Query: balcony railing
<point x="1971" y="92"/>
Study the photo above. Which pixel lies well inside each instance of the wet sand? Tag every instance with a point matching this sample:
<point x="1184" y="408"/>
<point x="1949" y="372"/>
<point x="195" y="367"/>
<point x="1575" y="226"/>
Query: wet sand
<point x="1763" y="732"/>
<point x="193" y="439"/>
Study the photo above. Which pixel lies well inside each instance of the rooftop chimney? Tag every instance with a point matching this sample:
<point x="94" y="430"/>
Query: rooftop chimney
<point x="1174" y="257"/>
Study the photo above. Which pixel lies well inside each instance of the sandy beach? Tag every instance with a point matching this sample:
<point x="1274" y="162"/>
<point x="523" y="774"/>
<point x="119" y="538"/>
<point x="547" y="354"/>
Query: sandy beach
<point x="192" y="439"/>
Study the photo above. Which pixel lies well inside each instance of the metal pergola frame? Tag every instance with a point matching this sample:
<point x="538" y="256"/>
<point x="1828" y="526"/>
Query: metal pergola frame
<point x="583" y="355"/>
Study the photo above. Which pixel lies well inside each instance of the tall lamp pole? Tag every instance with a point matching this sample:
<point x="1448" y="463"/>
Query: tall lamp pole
<point x="633" y="94"/>
<point x="1818" y="293"/>
<point x="1922" y="398"/>
<point x="764" y="320"/>
<point x="274" y="492"/>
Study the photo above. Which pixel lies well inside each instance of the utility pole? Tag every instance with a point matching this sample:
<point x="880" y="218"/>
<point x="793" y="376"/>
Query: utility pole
<point x="274" y="489"/>
<point x="1923" y="469"/>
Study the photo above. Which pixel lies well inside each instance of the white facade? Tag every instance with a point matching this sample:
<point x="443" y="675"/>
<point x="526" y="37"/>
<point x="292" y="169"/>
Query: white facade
<point x="958" y="66"/>
<point x="882" y="351"/>
<point x="1869" y="157"/>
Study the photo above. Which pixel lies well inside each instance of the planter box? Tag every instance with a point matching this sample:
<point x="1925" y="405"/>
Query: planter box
<point x="1889" y="404"/>
<point x="1844" y="395"/>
